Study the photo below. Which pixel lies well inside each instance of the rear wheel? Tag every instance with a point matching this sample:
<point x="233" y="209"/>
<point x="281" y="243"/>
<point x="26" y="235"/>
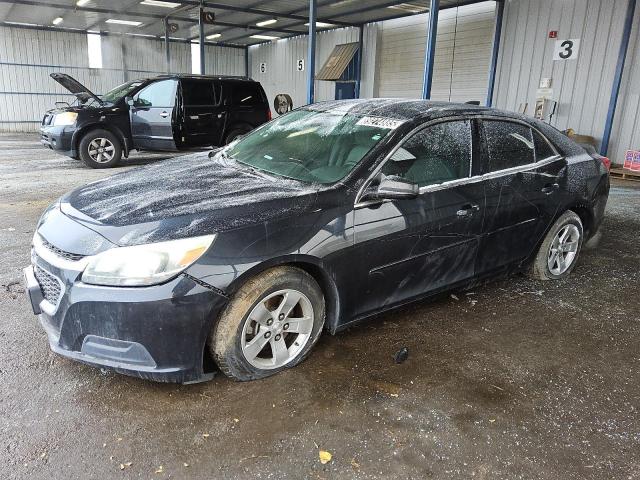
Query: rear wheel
<point x="559" y="251"/>
<point x="233" y="134"/>
<point x="270" y="324"/>
<point x="100" y="149"/>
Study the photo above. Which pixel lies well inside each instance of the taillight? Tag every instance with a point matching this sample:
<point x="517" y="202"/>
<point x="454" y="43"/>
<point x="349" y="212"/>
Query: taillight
<point x="268" y="115"/>
<point x="606" y="162"/>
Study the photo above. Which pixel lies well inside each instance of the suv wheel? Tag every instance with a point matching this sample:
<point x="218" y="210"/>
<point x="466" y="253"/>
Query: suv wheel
<point x="559" y="251"/>
<point x="233" y="134"/>
<point x="100" y="149"/>
<point x="271" y="323"/>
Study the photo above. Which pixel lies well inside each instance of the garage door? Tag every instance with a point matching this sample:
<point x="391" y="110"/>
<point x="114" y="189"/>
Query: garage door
<point x="464" y="41"/>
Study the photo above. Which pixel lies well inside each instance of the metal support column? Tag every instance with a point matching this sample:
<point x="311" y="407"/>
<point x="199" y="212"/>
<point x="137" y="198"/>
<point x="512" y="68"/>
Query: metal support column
<point x="359" y="64"/>
<point x="311" y="53"/>
<point x="497" y="33"/>
<point x="617" y="79"/>
<point x="201" y="36"/>
<point x="247" y="72"/>
<point x="167" y="53"/>
<point x="431" y="49"/>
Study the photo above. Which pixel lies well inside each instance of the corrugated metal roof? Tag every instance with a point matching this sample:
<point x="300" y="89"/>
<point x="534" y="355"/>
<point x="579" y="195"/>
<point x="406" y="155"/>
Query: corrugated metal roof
<point x="337" y="61"/>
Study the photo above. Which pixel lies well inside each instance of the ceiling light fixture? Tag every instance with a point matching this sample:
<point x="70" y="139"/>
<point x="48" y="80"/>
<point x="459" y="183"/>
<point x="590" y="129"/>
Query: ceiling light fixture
<point x="264" y="37"/>
<point x="57" y="20"/>
<point x="82" y="3"/>
<point x="159" y="3"/>
<point x="264" y="23"/>
<point x="321" y="25"/>
<point x="124" y="22"/>
<point x="214" y="35"/>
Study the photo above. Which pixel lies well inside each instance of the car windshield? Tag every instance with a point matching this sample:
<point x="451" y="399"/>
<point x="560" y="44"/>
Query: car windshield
<point x="120" y="91"/>
<point x="311" y="146"/>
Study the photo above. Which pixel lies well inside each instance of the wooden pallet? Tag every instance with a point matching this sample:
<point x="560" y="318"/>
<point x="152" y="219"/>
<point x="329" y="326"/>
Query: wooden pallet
<point x="625" y="174"/>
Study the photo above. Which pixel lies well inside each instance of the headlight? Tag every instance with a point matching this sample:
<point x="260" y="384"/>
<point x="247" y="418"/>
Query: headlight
<point x="148" y="264"/>
<point x="65" y="118"/>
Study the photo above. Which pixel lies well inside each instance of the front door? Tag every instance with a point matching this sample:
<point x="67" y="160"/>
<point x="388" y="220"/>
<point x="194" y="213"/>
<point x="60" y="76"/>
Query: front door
<point x="204" y="114"/>
<point x="345" y="90"/>
<point x="411" y="247"/>
<point x="153" y="115"/>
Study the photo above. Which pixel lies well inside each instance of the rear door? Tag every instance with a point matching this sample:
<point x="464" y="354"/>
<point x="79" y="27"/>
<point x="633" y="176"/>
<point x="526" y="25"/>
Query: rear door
<point x="153" y="115"/>
<point x="521" y="189"/>
<point x="204" y="115"/>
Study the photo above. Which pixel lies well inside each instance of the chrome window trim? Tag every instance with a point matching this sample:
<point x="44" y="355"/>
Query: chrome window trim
<point x="459" y="181"/>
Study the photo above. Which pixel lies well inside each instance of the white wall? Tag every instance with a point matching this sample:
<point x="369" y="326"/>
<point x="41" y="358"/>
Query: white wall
<point x="582" y="87"/>
<point x="463" y="44"/>
<point x="281" y="58"/>
<point x="28" y="56"/>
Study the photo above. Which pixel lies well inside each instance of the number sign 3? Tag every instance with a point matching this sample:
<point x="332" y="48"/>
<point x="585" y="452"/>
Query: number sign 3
<point x="566" y="49"/>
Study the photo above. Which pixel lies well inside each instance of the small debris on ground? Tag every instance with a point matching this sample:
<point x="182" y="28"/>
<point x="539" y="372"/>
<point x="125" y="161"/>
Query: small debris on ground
<point x="401" y="355"/>
<point x="325" y="457"/>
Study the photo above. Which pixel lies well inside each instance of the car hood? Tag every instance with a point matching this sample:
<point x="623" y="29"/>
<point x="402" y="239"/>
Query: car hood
<point x="186" y="196"/>
<point x="74" y="86"/>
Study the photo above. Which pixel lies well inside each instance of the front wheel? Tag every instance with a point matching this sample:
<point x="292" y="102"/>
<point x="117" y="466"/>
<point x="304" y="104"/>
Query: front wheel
<point x="270" y="324"/>
<point x="100" y="149"/>
<point x="559" y="251"/>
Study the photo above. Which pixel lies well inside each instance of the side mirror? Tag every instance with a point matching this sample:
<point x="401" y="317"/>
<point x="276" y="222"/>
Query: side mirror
<point x="395" y="188"/>
<point x="129" y="101"/>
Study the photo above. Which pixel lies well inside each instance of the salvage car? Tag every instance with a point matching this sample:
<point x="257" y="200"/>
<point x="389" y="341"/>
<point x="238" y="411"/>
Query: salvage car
<point x="164" y="113"/>
<point x="326" y="216"/>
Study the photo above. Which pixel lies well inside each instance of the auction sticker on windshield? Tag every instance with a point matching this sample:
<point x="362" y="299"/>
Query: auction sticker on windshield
<point x="380" y="122"/>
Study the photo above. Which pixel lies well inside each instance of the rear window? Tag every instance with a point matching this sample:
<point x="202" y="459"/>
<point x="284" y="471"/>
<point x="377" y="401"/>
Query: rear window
<point x="198" y="92"/>
<point x="509" y="145"/>
<point x="245" y="93"/>
<point x="543" y="149"/>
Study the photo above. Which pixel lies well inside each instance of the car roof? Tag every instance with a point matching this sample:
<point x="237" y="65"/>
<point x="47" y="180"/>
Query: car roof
<point x="208" y="77"/>
<point x="410" y="109"/>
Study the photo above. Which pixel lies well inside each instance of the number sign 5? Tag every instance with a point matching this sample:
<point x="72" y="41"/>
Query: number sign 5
<point x="566" y="49"/>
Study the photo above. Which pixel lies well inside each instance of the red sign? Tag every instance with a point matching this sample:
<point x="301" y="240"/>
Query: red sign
<point x="628" y="158"/>
<point x="635" y="165"/>
<point x="553" y="34"/>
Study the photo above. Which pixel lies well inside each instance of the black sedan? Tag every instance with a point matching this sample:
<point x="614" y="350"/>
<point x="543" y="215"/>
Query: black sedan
<point x="321" y="218"/>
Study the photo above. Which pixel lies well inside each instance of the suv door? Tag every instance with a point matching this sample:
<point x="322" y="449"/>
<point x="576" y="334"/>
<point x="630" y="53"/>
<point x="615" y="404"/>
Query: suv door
<point x="203" y="112"/>
<point x="522" y="173"/>
<point x="152" y="116"/>
<point x="407" y="248"/>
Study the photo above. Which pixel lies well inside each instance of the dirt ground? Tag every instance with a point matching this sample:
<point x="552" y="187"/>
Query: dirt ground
<point x="516" y="379"/>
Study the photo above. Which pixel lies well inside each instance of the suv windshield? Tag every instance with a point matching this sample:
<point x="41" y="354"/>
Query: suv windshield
<point x="312" y="146"/>
<point x="120" y="91"/>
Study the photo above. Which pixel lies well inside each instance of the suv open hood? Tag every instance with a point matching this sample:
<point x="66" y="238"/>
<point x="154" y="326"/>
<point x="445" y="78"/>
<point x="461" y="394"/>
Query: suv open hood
<point x="80" y="91"/>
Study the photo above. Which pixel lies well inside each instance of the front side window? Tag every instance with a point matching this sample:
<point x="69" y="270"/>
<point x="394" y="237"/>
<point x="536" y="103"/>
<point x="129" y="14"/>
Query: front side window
<point x="311" y="146"/>
<point x="158" y="94"/>
<point x="436" y="154"/>
<point x="509" y="145"/>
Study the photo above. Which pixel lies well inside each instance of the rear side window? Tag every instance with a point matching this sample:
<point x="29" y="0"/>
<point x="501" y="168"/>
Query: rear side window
<point x="245" y="93"/>
<point x="158" y="94"/>
<point x="543" y="149"/>
<point x="508" y="144"/>
<point x="198" y="93"/>
<point x="436" y="154"/>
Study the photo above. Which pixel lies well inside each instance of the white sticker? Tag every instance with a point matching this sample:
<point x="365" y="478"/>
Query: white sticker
<point x="380" y="122"/>
<point x="566" y="49"/>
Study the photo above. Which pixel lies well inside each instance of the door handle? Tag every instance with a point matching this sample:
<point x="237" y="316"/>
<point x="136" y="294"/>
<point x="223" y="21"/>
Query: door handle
<point x="467" y="210"/>
<point x="549" y="188"/>
<point x="219" y="115"/>
<point x="164" y="114"/>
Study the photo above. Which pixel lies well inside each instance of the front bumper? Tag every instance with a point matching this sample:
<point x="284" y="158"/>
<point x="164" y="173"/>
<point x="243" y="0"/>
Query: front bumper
<point x="157" y="333"/>
<point x="59" y="138"/>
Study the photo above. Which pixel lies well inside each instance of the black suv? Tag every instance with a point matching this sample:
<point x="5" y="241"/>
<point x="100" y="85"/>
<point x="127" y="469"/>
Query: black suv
<point x="167" y="113"/>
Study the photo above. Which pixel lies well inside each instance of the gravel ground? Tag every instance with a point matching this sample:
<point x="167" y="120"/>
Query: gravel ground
<point x="515" y="379"/>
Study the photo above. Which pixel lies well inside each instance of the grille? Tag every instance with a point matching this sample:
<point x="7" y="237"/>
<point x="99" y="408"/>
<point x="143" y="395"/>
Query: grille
<point x="50" y="285"/>
<point x="74" y="257"/>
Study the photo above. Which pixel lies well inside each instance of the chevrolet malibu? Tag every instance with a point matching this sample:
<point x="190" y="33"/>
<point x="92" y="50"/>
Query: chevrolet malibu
<point x="315" y="221"/>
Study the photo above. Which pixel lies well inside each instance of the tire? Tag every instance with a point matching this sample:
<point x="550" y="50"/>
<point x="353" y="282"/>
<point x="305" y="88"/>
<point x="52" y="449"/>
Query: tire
<point x="251" y="316"/>
<point x="92" y="142"/>
<point x="548" y="264"/>
<point x="233" y="134"/>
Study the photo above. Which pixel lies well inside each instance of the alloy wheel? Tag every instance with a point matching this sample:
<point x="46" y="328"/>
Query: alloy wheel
<point x="563" y="249"/>
<point x="101" y="150"/>
<point x="277" y="329"/>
